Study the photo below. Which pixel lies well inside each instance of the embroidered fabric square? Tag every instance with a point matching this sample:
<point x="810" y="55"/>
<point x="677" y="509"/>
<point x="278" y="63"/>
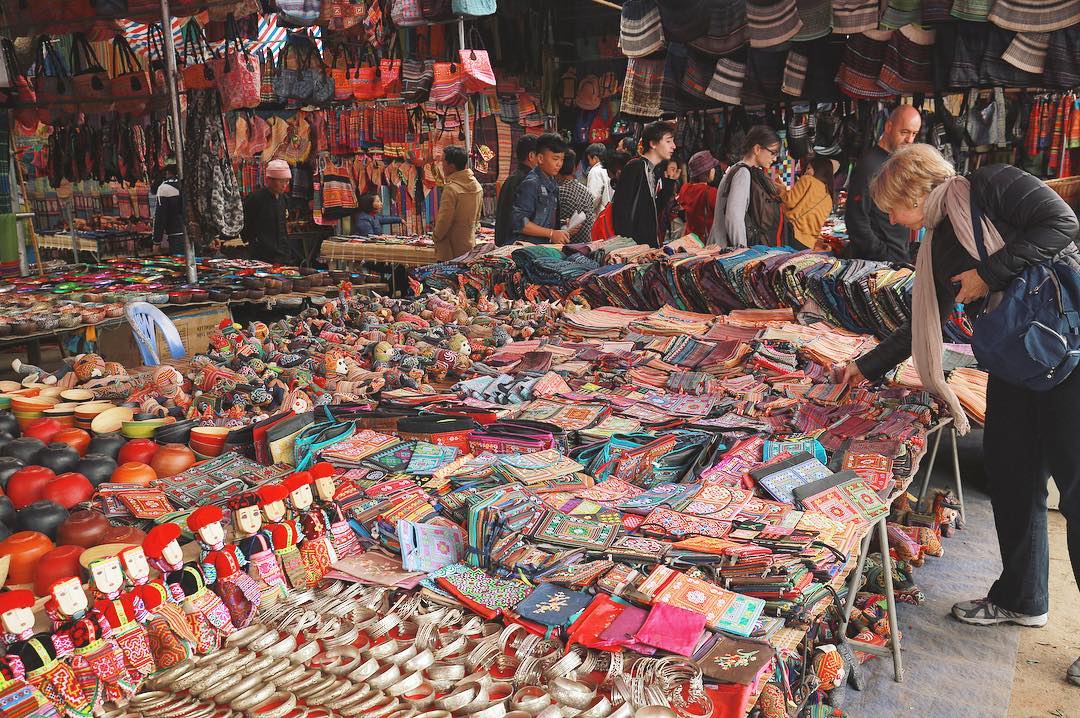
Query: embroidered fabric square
<point x="551" y="605"/>
<point x="563" y="530"/>
<point x="429" y="547"/>
<point x="781" y="478"/>
<point x="427" y="458"/>
<point x="673" y="629"/>
<point x="623" y="630"/>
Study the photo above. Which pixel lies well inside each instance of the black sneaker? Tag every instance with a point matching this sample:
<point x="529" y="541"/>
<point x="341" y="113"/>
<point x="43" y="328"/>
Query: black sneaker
<point x="982" y="612"/>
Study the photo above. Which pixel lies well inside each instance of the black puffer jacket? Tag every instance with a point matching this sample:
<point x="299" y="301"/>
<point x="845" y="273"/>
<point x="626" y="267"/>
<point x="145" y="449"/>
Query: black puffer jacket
<point x="1033" y="220"/>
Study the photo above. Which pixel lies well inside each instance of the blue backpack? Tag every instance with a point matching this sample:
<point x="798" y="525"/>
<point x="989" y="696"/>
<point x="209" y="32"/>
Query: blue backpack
<point x="1032" y="338"/>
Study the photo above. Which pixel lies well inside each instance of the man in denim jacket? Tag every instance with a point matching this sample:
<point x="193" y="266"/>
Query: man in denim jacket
<point x="536" y="207"/>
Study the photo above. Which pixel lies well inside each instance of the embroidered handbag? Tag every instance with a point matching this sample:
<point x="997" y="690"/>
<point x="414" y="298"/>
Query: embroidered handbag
<point x="417" y="77"/>
<point x="130" y="89"/>
<point x="390" y="71"/>
<point x="341" y="69"/>
<point x="552" y="605"/>
<point x="292" y="83"/>
<point x="197" y="56"/>
<point x="342" y="14"/>
<point x="322" y="83"/>
<point x="240" y="79"/>
<point x="20" y="92"/>
<point x="476" y="8"/>
<point x="89" y="79"/>
<point x="407" y="13"/>
<point x="448" y="85"/>
<point x="302" y="13"/>
<point x="366" y="81"/>
<point x="479" y="77"/>
<point x="267" y="95"/>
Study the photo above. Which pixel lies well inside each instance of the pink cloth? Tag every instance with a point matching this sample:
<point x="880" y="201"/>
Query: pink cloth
<point x="672" y="629"/>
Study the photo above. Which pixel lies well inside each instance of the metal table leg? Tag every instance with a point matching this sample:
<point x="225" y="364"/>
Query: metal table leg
<point x="956" y="474"/>
<point x="930" y="466"/>
<point x="853" y="583"/>
<point x="890" y="599"/>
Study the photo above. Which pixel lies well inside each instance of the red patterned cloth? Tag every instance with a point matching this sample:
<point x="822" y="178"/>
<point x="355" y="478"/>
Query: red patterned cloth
<point x="58" y="683"/>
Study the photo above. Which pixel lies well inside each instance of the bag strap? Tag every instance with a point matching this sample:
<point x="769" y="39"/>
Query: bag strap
<point x="81" y="50"/>
<point x="977" y="228"/>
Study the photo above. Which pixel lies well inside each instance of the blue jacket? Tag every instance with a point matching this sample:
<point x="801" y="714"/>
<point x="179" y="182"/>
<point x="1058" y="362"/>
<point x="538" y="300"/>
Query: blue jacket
<point x="537" y="201"/>
<point x="366" y="224"/>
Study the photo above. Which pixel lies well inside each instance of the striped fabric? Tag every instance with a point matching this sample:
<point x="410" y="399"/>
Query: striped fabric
<point x="271" y="36"/>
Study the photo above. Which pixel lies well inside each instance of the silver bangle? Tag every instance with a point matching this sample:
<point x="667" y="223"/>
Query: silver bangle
<point x="421" y="661"/>
<point x="572" y="694"/>
<point x="385" y="678"/>
<point x="254" y="697"/>
<point x="366" y="670"/>
<point x="316" y="688"/>
<point x="409" y="683"/>
<point x="288" y="702"/>
<point x="283" y="647"/>
<point x="264" y="641"/>
<point x="246" y="684"/>
<point x="531" y="699"/>
<point x="306" y="652"/>
<point x="384" y="650"/>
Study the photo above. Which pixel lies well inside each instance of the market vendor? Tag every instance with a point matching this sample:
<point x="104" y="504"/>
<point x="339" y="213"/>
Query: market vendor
<point x="265" y="213"/>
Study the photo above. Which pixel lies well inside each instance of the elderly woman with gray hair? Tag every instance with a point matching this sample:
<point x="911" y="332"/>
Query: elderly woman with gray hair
<point x="1029" y="435"/>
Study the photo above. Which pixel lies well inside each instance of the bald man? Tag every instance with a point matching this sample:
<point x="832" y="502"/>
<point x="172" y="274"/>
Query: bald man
<point x="871" y="235"/>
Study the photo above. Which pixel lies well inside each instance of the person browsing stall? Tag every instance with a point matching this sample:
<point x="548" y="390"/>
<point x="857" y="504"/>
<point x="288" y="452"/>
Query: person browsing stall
<point x="525" y="151"/>
<point x="1027" y="434"/>
<point x="698" y="197"/>
<point x="536" y="207"/>
<point x="597" y="179"/>
<point x="460" y="206"/>
<point x="574" y="199"/>
<point x="368" y="220"/>
<point x="640" y="195"/>
<point x="747" y="204"/>
<point x="810" y="200"/>
<point x="265" y="213"/>
<point x="871" y="235"/>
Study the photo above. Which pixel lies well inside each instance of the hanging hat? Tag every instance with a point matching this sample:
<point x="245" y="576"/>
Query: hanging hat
<point x="297" y="480"/>
<point x="700" y="164"/>
<point x="864" y="56"/>
<point x="973" y="10"/>
<point x="203" y="517"/>
<point x="19" y="598"/>
<point x="908" y="65"/>
<point x="1063" y="59"/>
<point x="587" y="96"/>
<point x="771" y="22"/>
<point x="727" y="81"/>
<point x="850" y="17"/>
<point x="323" y="469"/>
<point x="996" y="71"/>
<point x="1035" y="15"/>
<point x="725" y="30"/>
<point x="682" y="19"/>
<point x="272" y="493"/>
<point x="816" y="16"/>
<point x="278" y="169"/>
<point x="1027" y="51"/>
<point x="795" y="79"/>
<point x="901" y="12"/>
<point x="936" y="11"/>
<point x="158" y="538"/>
<point x="640" y="30"/>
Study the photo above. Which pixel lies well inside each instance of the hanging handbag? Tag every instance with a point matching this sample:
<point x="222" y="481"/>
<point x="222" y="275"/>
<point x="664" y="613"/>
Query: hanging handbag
<point x="292" y="83"/>
<point x="366" y="81"/>
<point x="130" y="88"/>
<point x="343" y="76"/>
<point x="416" y="78"/>
<point x="342" y="14"/>
<point x="407" y="13"/>
<point x="20" y="93"/>
<point x="240" y="79"/>
<point x="322" y="83"/>
<point x="390" y="71"/>
<point x="301" y="13"/>
<point x="437" y="10"/>
<point x="52" y="85"/>
<point x="197" y="57"/>
<point x="479" y="77"/>
<point x="267" y="95"/>
<point x="88" y="77"/>
<point x="476" y="8"/>
<point x="448" y="86"/>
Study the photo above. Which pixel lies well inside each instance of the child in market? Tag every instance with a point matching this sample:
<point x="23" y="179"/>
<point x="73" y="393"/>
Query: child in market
<point x="368" y="220"/>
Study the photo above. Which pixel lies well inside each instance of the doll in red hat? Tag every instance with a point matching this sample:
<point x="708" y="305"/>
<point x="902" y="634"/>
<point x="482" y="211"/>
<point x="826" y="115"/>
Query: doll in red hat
<point x="255" y="544"/>
<point x="33" y="681"/>
<point x="342" y="537"/>
<point x="223" y="566"/>
<point x="206" y="615"/>
<point x="125" y="613"/>
<point x="97" y="659"/>
<point x="284" y="534"/>
<point x="315" y="549"/>
<point x="171" y="639"/>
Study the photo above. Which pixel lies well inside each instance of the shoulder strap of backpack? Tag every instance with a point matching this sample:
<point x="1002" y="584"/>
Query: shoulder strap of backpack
<point x="977" y="228"/>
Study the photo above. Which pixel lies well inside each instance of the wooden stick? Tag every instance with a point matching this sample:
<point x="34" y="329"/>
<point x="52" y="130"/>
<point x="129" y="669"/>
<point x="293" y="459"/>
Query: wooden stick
<point x="29" y="208"/>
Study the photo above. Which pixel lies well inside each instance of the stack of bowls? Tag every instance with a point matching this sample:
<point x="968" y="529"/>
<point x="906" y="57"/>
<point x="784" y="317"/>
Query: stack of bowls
<point x="86" y="413"/>
<point x="208" y="441"/>
<point x="142" y="426"/>
<point x="28" y="408"/>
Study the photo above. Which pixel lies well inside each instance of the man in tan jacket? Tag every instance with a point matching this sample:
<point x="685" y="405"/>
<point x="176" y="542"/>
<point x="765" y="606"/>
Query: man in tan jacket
<point x="459" y="207"/>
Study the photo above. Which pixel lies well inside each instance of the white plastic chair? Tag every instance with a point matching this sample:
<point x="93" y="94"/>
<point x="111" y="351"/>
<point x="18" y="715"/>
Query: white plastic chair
<point x="146" y="320"/>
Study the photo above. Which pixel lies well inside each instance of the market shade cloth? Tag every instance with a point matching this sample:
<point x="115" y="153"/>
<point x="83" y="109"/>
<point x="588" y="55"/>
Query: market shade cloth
<point x="271" y="36"/>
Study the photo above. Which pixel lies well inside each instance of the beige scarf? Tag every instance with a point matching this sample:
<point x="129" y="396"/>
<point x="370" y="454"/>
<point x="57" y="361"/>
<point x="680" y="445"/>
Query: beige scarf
<point x="950" y="199"/>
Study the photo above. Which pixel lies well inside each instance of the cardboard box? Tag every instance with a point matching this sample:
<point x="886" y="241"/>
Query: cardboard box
<point x="195" y="326"/>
